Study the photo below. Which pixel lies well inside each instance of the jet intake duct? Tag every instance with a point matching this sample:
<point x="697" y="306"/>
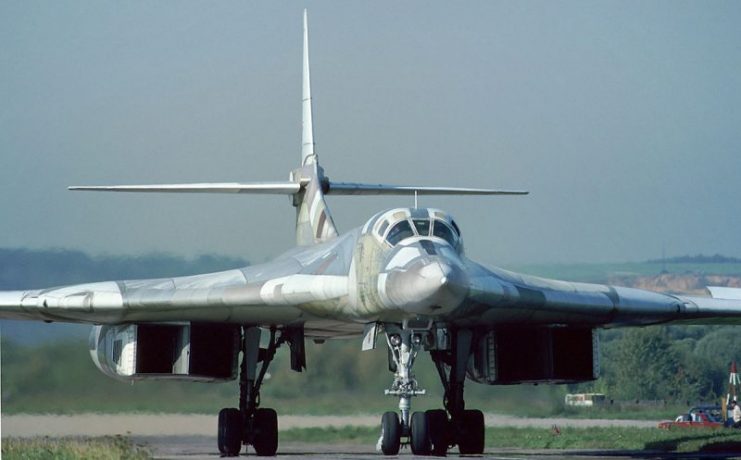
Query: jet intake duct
<point x="195" y="352"/>
<point x="513" y="354"/>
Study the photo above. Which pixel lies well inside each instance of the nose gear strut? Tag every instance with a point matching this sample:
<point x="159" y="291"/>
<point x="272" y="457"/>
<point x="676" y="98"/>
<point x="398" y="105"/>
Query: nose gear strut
<point x="403" y="345"/>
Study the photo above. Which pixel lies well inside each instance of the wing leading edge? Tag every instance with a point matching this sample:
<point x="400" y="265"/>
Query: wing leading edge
<point x="503" y="297"/>
<point x="226" y="297"/>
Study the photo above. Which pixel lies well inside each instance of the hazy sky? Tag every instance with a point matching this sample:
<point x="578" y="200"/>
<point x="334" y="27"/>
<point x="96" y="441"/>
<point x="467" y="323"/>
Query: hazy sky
<point x="623" y="119"/>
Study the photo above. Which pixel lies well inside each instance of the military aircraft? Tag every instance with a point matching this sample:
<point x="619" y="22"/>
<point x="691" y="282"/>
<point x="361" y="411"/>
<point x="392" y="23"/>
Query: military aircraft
<point x="403" y="275"/>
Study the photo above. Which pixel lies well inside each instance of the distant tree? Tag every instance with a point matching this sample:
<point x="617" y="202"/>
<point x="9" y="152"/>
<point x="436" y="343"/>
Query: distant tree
<point x="655" y="363"/>
<point x="697" y="259"/>
<point x="644" y="366"/>
<point x="32" y="269"/>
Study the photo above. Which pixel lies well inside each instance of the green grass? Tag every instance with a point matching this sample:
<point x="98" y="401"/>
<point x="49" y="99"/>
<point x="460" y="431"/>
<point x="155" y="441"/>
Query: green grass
<point x="677" y="440"/>
<point x="103" y="448"/>
<point x="618" y="438"/>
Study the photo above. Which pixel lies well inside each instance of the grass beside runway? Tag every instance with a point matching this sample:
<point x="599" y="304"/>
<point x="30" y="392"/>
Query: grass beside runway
<point x="614" y="438"/>
<point x="102" y="448"/>
<point x="620" y="438"/>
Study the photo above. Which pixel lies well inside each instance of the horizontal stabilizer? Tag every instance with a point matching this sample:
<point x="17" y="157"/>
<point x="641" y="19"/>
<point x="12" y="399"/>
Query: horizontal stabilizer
<point x="280" y="188"/>
<point x="290" y="188"/>
<point x="352" y="188"/>
<point x="725" y="293"/>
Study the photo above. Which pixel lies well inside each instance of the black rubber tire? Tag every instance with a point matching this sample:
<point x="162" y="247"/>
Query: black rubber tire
<point x="471" y="435"/>
<point x="265" y="432"/>
<point x="419" y="434"/>
<point x="391" y="434"/>
<point x="230" y="432"/>
<point x="437" y="427"/>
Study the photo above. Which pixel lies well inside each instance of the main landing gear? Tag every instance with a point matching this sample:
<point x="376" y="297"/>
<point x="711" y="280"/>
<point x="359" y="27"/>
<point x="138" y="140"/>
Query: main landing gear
<point x="250" y="424"/>
<point x="434" y="431"/>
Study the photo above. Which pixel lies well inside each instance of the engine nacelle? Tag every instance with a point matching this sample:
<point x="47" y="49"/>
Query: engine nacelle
<point x="514" y="354"/>
<point x="197" y="352"/>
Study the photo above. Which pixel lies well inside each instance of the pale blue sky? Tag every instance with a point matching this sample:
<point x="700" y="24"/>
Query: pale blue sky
<point x="621" y="118"/>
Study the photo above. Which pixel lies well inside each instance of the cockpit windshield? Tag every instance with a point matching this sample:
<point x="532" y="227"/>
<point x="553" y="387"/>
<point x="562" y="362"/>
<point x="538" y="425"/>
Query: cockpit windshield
<point x="423" y="226"/>
<point x="399" y="231"/>
<point x="395" y="225"/>
<point x="441" y="230"/>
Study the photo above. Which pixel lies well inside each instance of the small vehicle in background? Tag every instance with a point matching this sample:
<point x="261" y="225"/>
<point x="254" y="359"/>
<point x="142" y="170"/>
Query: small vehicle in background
<point x="585" y="399"/>
<point x="706" y="416"/>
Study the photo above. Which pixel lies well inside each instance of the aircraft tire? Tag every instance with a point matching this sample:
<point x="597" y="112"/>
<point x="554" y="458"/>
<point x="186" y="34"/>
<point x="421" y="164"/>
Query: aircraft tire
<point x="265" y="436"/>
<point x="230" y="432"/>
<point x="420" y="434"/>
<point x="437" y="427"/>
<point x="391" y="433"/>
<point x="471" y="440"/>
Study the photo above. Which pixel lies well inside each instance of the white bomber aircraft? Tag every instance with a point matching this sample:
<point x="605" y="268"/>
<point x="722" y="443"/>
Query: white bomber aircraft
<point x="403" y="274"/>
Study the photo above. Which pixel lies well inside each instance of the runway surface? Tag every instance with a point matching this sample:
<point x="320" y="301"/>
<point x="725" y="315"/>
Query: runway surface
<point x="205" y="425"/>
<point x="202" y="448"/>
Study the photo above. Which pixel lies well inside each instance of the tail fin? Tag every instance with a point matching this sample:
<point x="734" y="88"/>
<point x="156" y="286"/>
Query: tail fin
<point x="314" y="223"/>
<point x="307" y="184"/>
<point x="307" y="133"/>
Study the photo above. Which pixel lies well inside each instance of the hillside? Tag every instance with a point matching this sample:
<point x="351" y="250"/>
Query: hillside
<point x="690" y="283"/>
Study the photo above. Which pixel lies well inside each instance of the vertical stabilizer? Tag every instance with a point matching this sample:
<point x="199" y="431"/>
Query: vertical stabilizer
<point x="307" y="135"/>
<point x="314" y="223"/>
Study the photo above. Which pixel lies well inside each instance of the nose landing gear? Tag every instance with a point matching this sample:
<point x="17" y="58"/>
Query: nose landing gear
<point x="434" y="431"/>
<point x="404" y="345"/>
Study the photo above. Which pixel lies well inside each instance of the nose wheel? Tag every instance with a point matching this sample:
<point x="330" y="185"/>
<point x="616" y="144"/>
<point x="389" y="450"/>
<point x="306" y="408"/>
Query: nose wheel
<point x="419" y="435"/>
<point x="390" y="441"/>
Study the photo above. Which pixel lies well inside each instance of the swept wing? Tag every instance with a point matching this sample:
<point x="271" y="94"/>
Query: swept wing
<point x="500" y="296"/>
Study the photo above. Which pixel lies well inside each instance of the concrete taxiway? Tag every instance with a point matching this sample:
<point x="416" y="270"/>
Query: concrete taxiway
<point x="202" y="448"/>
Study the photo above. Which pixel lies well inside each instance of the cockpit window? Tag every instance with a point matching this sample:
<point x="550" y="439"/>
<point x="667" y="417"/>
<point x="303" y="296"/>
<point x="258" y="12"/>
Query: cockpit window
<point x="455" y="227"/>
<point x="423" y="226"/>
<point x="441" y="230"/>
<point x="399" y="231"/>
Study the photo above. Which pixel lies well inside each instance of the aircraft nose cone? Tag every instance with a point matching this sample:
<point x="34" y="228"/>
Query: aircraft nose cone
<point x="431" y="288"/>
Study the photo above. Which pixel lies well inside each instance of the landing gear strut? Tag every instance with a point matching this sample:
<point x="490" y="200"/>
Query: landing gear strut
<point x="431" y="432"/>
<point x="466" y="427"/>
<point x="250" y="424"/>
<point x="404" y="345"/>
